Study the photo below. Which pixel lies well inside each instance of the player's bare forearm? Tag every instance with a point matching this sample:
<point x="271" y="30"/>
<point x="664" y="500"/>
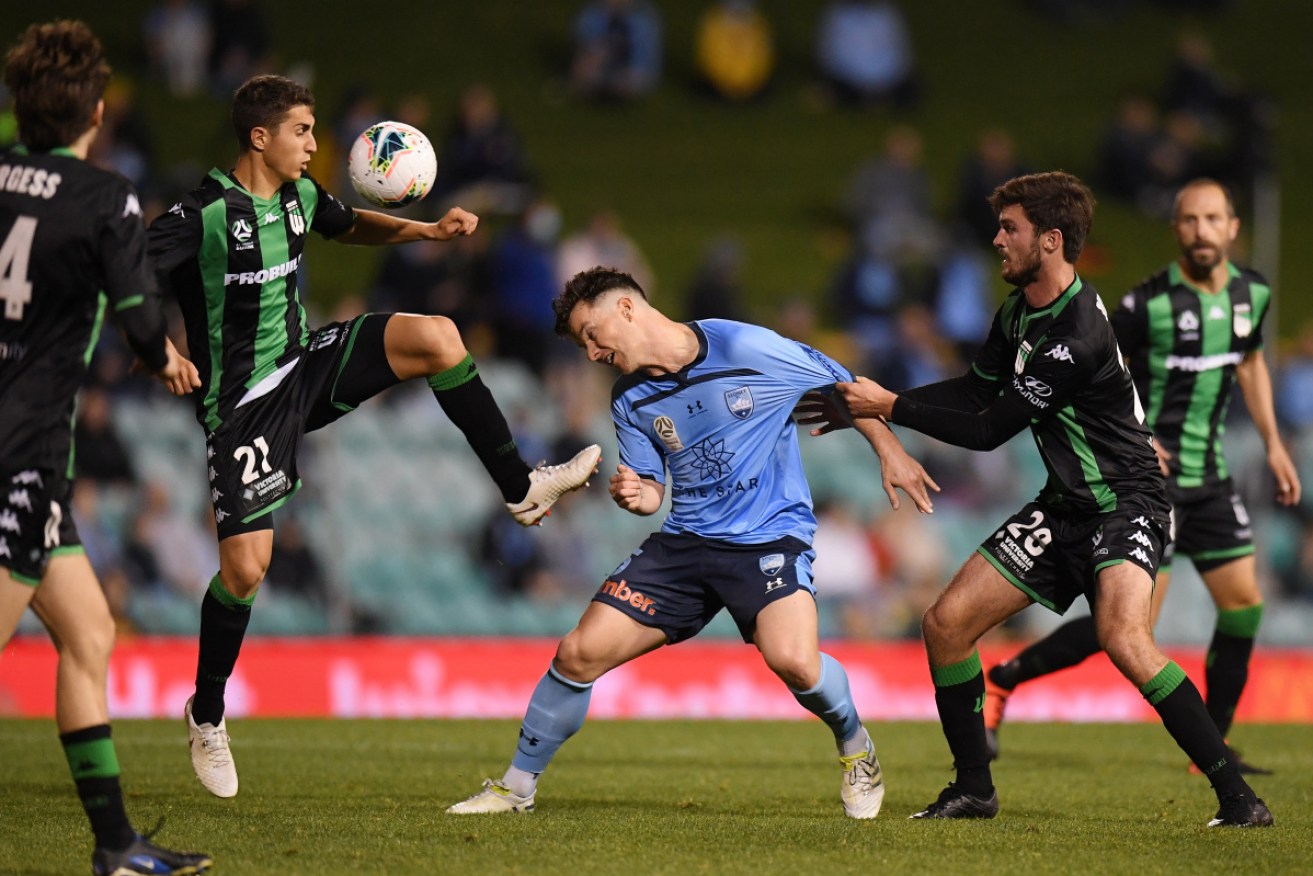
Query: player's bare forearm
<point x="898" y="470"/>
<point x="1256" y="387"/>
<point x="373" y="228"/>
<point x="641" y="496"/>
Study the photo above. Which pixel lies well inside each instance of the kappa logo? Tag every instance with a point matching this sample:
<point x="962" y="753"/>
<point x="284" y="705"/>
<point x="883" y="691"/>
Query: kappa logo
<point x="775" y="584"/>
<point x="27" y="478"/>
<point x="1061" y="353"/>
<point x="213" y="474"/>
<point x="220" y="515"/>
<point x="739" y="402"/>
<point x="20" y="499"/>
<point x="9" y="522"/>
<point x="1216" y="312"/>
<point x="215" y="494"/>
<point x="209" y="453"/>
<point x="177" y="210"/>
<point x="1188" y="322"/>
<point x="242" y="230"/>
<point x="1141" y="538"/>
<point x="665" y="429"/>
<point x="621" y="591"/>
<point x="1140" y="521"/>
<point x="131" y="207"/>
<point x="1140" y="555"/>
<point x="271" y="217"/>
<point x="770" y="564"/>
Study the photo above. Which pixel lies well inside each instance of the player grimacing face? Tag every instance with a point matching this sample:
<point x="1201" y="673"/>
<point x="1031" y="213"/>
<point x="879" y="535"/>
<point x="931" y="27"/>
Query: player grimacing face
<point x="1205" y="229"/>
<point x="599" y="326"/>
<point x="288" y="147"/>
<point x="1018" y="244"/>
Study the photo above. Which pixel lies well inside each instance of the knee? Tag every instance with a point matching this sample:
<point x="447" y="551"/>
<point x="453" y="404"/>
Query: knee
<point x="241" y="576"/>
<point x="440" y="342"/>
<point x="936" y="626"/>
<point x="90" y="643"/>
<point x="800" y="670"/>
<point x="574" y="660"/>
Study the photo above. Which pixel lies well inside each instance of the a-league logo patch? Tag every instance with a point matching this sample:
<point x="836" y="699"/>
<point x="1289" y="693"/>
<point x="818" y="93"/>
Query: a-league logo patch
<point x="665" y="429"/>
<point x="770" y="564"/>
<point x="740" y="402"/>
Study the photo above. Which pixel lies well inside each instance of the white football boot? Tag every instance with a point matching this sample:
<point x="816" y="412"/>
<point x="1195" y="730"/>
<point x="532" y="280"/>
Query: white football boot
<point x="495" y="797"/>
<point x="210" y="756"/>
<point x="547" y="483"/>
<point x="863" y="784"/>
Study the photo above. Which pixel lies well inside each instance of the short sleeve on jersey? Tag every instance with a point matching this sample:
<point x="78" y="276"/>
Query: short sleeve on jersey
<point x="1130" y="323"/>
<point x="174" y="237"/>
<point x="128" y="281"/>
<point x="637" y="450"/>
<point x="330" y="216"/>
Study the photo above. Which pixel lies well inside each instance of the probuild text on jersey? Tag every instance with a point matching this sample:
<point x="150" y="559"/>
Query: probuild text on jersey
<point x="34" y="181"/>
<point x="246" y="278"/>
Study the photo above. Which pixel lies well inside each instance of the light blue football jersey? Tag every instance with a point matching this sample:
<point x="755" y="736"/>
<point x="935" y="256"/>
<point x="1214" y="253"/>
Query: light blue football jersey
<point x="722" y="428"/>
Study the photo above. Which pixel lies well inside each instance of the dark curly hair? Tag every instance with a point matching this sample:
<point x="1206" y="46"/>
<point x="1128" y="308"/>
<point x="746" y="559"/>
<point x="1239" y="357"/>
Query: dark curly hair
<point x="588" y="286"/>
<point x="57" y="75"/>
<point x="1051" y="200"/>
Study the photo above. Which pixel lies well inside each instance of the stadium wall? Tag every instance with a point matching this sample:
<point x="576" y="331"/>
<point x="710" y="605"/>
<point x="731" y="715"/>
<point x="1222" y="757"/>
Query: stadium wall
<point x="493" y="678"/>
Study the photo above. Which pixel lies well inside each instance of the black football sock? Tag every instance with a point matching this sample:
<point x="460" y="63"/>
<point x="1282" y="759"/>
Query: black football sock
<point x="1066" y="646"/>
<point x="224" y="618"/>
<point x="1227" y="668"/>
<point x="467" y="402"/>
<point x="95" y="768"/>
<point x="1178" y="703"/>
<point x="960" y="698"/>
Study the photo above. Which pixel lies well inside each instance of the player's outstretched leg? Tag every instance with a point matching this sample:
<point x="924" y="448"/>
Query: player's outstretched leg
<point x="1066" y="646"/>
<point x="1226" y="671"/>
<point x="211" y="757"/>
<point x="144" y="858"/>
<point x="547" y="483"/>
<point x="556" y="712"/>
<point x="224" y="618"/>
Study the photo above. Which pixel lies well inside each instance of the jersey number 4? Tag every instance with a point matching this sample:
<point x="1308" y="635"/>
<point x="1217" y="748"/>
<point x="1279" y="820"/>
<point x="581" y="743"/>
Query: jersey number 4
<point x="15" y="288"/>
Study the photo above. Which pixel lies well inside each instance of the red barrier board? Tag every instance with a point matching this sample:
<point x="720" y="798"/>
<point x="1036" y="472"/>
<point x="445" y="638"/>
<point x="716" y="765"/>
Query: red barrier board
<point x="493" y="678"/>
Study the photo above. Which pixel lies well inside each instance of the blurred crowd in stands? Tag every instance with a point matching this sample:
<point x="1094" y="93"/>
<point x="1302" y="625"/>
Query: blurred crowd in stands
<point x="911" y="300"/>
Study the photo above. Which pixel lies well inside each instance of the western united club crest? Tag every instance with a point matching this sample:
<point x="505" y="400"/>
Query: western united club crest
<point x="665" y="429"/>
<point x="295" y="217"/>
<point x="771" y="563"/>
<point x="1241" y="320"/>
<point x="740" y="402"/>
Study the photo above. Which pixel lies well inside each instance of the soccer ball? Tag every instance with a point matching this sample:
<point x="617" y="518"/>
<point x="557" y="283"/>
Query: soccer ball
<point x="392" y="165"/>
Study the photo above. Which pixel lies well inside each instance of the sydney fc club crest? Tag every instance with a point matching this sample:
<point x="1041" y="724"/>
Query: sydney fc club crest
<point x="740" y="402"/>
<point x="665" y="429"/>
<point x="770" y="564"/>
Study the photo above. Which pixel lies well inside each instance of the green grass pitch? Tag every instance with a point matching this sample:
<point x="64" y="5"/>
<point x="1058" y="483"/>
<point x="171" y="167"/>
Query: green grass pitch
<point x="673" y="797"/>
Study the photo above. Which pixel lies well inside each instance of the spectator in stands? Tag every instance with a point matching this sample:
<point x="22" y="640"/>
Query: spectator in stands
<point x="1125" y="152"/>
<point x="604" y="242"/>
<point x="294" y="567"/>
<point x="101" y="457"/>
<point x="617" y="50"/>
<point x="482" y="165"/>
<point x="241" y="44"/>
<point x="523" y="268"/>
<point x="846" y="572"/>
<point x="864" y="53"/>
<point x="735" y="50"/>
<point x="126" y="144"/>
<point x="717" y="288"/>
<point x="993" y="163"/>
<point x="178" y="36"/>
<point x="888" y="199"/>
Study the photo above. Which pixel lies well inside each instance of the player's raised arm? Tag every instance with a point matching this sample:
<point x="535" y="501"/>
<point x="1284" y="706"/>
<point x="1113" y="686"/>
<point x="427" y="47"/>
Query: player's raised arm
<point x="373" y="228"/>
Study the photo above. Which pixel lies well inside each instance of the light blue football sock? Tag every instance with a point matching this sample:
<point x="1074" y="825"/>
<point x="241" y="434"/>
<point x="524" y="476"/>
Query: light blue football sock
<point x="832" y="702"/>
<point x="556" y="712"/>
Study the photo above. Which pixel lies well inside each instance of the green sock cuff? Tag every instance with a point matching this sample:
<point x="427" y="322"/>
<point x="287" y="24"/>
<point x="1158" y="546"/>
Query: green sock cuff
<point x="1159" y="687"/>
<point x="1240" y="622"/>
<point x="227" y="599"/>
<point x="461" y="373"/>
<point x="92" y="759"/>
<point x="957" y="673"/>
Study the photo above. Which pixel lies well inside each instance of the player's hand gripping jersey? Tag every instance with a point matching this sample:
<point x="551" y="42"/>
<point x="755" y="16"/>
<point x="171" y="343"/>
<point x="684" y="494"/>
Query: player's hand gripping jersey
<point x="721" y="426"/>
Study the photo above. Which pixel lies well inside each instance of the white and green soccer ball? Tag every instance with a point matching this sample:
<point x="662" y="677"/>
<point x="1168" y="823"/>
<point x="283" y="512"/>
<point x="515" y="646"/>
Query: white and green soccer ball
<point x="392" y="164"/>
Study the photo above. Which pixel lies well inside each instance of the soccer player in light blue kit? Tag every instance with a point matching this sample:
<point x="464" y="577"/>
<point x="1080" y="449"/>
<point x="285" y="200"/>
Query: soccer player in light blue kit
<point x="710" y="403"/>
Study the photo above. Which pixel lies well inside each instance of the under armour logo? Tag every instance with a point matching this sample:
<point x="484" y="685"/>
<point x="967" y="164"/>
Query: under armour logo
<point x="775" y="584"/>
<point x="695" y="408"/>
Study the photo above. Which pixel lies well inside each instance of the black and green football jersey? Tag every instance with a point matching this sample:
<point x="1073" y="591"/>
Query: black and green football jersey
<point x="233" y="260"/>
<point x="1062" y="362"/>
<point x="72" y="241"/>
<point x="1183" y="345"/>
